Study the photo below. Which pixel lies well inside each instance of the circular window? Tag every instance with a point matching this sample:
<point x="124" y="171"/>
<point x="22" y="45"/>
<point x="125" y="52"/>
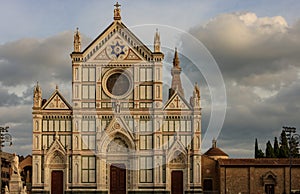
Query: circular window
<point x="117" y="83"/>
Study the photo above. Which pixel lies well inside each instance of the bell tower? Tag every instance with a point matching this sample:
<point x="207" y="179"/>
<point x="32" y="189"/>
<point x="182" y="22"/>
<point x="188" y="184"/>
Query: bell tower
<point x="175" y="72"/>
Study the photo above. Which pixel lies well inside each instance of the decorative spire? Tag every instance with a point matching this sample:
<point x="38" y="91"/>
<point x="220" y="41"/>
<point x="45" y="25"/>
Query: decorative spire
<point x="157" y="42"/>
<point x="37" y="96"/>
<point x="195" y="99"/>
<point x="176" y="81"/>
<point x="176" y="61"/>
<point x="77" y="41"/>
<point x="196" y="90"/>
<point x="117" y="12"/>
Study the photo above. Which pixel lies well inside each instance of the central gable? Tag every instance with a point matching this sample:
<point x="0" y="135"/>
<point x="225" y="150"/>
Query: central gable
<point x="116" y="49"/>
<point x="116" y="43"/>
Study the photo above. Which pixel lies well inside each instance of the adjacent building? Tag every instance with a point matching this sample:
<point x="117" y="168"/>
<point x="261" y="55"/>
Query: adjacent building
<point x="223" y="175"/>
<point x="118" y="136"/>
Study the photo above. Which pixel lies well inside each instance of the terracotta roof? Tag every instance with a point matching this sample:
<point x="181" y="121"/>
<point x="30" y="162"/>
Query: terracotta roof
<point x="214" y="151"/>
<point x="258" y="162"/>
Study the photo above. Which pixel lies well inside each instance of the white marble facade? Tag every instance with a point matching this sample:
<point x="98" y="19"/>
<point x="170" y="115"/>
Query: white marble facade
<point x="118" y="125"/>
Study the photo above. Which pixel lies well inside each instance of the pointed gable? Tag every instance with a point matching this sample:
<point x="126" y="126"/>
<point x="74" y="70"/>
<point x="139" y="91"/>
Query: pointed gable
<point x="115" y="129"/>
<point x="116" y="49"/>
<point x="118" y="125"/>
<point x="56" y="102"/>
<point x="177" y="102"/>
<point x="176" y="150"/>
<point x="116" y="42"/>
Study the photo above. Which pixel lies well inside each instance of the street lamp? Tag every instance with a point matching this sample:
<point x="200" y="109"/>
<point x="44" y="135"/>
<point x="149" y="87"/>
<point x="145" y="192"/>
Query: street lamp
<point x="4" y="137"/>
<point x="289" y="133"/>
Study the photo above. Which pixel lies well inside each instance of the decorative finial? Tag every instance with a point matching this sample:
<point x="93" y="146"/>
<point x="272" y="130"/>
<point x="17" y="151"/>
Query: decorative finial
<point x="176" y="61"/>
<point x="197" y="90"/>
<point x="56" y="135"/>
<point x="157" y="41"/>
<point x="117" y="12"/>
<point x="214" y="143"/>
<point x="56" y="87"/>
<point x="77" y="41"/>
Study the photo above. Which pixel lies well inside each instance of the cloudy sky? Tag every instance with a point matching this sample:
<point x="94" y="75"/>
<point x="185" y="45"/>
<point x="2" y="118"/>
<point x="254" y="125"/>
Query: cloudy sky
<point x="255" y="44"/>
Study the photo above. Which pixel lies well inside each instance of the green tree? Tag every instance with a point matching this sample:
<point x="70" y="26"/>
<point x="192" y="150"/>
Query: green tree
<point x="269" y="150"/>
<point x="276" y="148"/>
<point x="284" y="147"/>
<point x="294" y="147"/>
<point x="258" y="152"/>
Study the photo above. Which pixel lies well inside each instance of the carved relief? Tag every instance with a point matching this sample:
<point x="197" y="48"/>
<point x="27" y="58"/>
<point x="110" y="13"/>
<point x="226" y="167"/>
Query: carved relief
<point x="57" y="158"/>
<point x="117" y="145"/>
<point x="179" y="157"/>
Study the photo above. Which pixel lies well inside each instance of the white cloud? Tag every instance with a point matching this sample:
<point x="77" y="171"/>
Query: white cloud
<point x="259" y="59"/>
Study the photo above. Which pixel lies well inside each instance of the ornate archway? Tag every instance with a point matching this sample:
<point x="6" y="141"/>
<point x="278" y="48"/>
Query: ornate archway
<point x="55" y="168"/>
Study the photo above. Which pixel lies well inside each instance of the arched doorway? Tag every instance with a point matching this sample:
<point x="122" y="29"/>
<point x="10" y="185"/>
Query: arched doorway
<point x="118" y="159"/>
<point x="55" y="172"/>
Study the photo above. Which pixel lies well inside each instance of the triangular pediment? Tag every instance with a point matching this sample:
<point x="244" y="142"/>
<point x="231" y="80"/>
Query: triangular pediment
<point x="177" y="102"/>
<point x="116" y="49"/>
<point x="118" y="125"/>
<point x="176" y="150"/>
<point x="56" y="146"/>
<point x="117" y="43"/>
<point x="56" y="152"/>
<point x="117" y="128"/>
<point x="56" y="102"/>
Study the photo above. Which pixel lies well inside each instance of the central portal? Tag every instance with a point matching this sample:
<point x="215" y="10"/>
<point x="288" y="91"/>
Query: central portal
<point x="117" y="179"/>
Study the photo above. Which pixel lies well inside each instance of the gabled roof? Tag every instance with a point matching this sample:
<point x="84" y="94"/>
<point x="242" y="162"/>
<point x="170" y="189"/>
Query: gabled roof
<point x="116" y="27"/>
<point x="177" y="102"/>
<point x="56" y="102"/>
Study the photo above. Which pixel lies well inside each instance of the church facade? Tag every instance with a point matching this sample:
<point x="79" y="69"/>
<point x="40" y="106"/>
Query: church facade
<point x="118" y="136"/>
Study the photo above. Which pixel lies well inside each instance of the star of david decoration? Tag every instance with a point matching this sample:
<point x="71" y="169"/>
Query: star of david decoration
<point x="117" y="50"/>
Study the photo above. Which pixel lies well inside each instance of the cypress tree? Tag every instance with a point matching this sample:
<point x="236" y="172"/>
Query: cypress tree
<point x="256" y="149"/>
<point x="269" y="150"/>
<point x="276" y="148"/>
<point x="258" y="152"/>
<point x="284" y="147"/>
<point x="294" y="148"/>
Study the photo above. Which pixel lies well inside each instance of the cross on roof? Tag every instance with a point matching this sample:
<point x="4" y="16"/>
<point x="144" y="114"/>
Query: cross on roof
<point x="117" y="5"/>
<point x="177" y="100"/>
<point x="57" y="100"/>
